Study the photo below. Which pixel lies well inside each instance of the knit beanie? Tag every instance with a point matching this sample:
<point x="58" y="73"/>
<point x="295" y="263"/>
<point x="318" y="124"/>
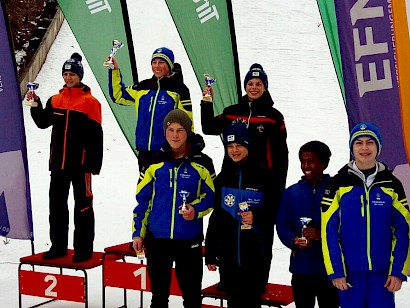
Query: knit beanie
<point x="365" y="129"/>
<point x="165" y="54"/>
<point x="178" y="116"/>
<point x="238" y="133"/>
<point x="321" y="150"/>
<point x="74" y="65"/>
<point x="256" y="71"/>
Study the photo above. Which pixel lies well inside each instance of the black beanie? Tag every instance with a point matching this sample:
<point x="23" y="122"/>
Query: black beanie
<point x="238" y="132"/>
<point x="74" y="65"/>
<point x="256" y="71"/>
<point x="319" y="148"/>
<point x="181" y="117"/>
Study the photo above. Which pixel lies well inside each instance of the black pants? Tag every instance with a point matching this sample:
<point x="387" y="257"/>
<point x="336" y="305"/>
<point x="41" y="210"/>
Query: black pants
<point x="306" y="288"/>
<point x="187" y="254"/>
<point x="243" y="284"/>
<point x="83" y="211"/>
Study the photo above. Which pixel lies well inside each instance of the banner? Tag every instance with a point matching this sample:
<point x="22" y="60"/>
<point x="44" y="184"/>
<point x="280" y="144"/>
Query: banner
<point x="374" y="45"/>
<point x="207" y="31"/>
<point x="15" y="202"/>
<point x="95" y="24"/>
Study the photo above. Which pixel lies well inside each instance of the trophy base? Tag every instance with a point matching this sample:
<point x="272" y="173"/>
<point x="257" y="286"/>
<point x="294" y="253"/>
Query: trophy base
<point x="207" y="98"/>
<point x="31" y="103"/>
<point x="110" y="65"/>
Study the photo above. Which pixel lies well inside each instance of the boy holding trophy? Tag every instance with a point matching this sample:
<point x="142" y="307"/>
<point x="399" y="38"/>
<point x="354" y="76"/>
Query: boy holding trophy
<point x="153" y="99"/>
<point x="245" y="192"/>
<point x="298" y="227"/>
<point x="76" y="152"/>
<point x="174" y="193"/>
<point x="366" y="226"/>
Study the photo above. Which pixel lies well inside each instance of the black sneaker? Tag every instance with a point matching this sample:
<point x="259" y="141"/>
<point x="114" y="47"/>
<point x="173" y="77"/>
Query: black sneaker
<point x="54" y="254"/>
<point x="81" y="257"/>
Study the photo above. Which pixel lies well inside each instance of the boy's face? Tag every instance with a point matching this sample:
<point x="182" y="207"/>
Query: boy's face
<point x="176" y="136"/>
<point x="160" y="68"/>
<point x="255" y="88"/>
<point x="311" y="166"/>
<point x="365" y="152"/>
<point x="71" y="79"/>
<point x="237" y="152"/>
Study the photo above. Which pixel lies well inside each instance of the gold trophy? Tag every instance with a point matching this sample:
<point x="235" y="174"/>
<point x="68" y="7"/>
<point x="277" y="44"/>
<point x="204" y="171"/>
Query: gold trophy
<point x="31" y="86"/>
<point x="244" y="207"/>
<point x="116" y="45"/>
<point x="208" y="81"/>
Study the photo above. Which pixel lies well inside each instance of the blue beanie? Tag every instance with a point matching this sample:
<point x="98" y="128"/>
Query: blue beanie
<point x="256" y="71"/>
<point x="165" y="54"/>
<point x="365" y="129"/>
<point x="238" y="132"/>
<point x="74" y="65"/>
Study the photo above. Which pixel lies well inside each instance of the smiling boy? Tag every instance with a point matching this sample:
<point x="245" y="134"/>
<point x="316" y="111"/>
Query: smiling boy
<point x="365" y="226"/>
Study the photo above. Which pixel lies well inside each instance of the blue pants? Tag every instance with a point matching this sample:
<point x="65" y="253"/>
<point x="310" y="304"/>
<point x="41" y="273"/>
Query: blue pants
<point x="367" y="291"/>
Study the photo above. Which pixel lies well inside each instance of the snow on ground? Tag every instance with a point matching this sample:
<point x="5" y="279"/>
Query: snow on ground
<point x="287" y="38"/>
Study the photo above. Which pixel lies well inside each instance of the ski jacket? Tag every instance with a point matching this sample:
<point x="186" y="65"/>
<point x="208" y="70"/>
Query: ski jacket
<point x="153" y="98"/>
<point x="265" y="123"/>
<point x="76" y="136"/>
<point x="159" y="193"/>
<point x="225" y="240"/>
<point x="365" y="228"/>
<point x="302" y="199"/>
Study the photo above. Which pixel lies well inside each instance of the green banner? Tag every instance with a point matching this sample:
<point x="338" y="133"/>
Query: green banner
<point x="207" y="32"/>
<point x="95" y="25"/>
<point x="328" y="14"/>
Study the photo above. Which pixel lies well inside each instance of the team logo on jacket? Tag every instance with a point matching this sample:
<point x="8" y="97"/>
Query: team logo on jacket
<point x="378" y="201"/>
<point x="229" y="200"/>
<point x="260" y="128"/>
<point x="162" y="100"/>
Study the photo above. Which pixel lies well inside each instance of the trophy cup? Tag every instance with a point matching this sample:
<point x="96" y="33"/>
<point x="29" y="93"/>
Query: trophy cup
<point x="208" y="81"/>
<point x="184" y="194"/>
<point x="116" y="45"/>
<point x="31" y="86"/>
<point x="244" y="207"/>
<point x="305" y="221"/>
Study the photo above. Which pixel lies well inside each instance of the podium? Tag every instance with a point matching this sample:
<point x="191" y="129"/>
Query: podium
<point x="62" y="286"/>
<point x="119" y="273"/>
<point x="276" y="295"/>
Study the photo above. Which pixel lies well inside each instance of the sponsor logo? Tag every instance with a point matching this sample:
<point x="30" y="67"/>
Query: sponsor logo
<point x="96" y="6"/>
<point x="206" y="11"/>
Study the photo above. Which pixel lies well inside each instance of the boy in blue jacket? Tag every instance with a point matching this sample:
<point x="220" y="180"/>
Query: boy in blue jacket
<point x="303" y="199"/>
<point x="365" y="226"/>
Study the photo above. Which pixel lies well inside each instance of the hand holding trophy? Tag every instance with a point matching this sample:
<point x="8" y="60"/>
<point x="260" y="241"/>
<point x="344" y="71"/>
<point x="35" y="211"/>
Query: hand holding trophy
<point x="305" y="221"/>
<point x="116" y="45"/>
<point x="30" y="100"/>
<point x="184" y="194"/>
<point x="244" y="207"/>
<point x="208" y="82"/>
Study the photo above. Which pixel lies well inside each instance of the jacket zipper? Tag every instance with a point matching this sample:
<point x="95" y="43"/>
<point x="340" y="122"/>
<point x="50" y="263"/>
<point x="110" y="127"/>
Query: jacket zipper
<point x="65" y="131"/>
<point x="152" y="107"/>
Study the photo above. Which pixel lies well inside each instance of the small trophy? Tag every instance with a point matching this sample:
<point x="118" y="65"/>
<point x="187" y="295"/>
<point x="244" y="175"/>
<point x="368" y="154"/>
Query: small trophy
<point x="208" y="81"/>
<point x="116" y="45"/>
<point x="141" y="254"/>
<point x="184" y="194"/>
<point x="244" y="207"/>
<point x="305" y="221"/>
<point x="31" y="86"/>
